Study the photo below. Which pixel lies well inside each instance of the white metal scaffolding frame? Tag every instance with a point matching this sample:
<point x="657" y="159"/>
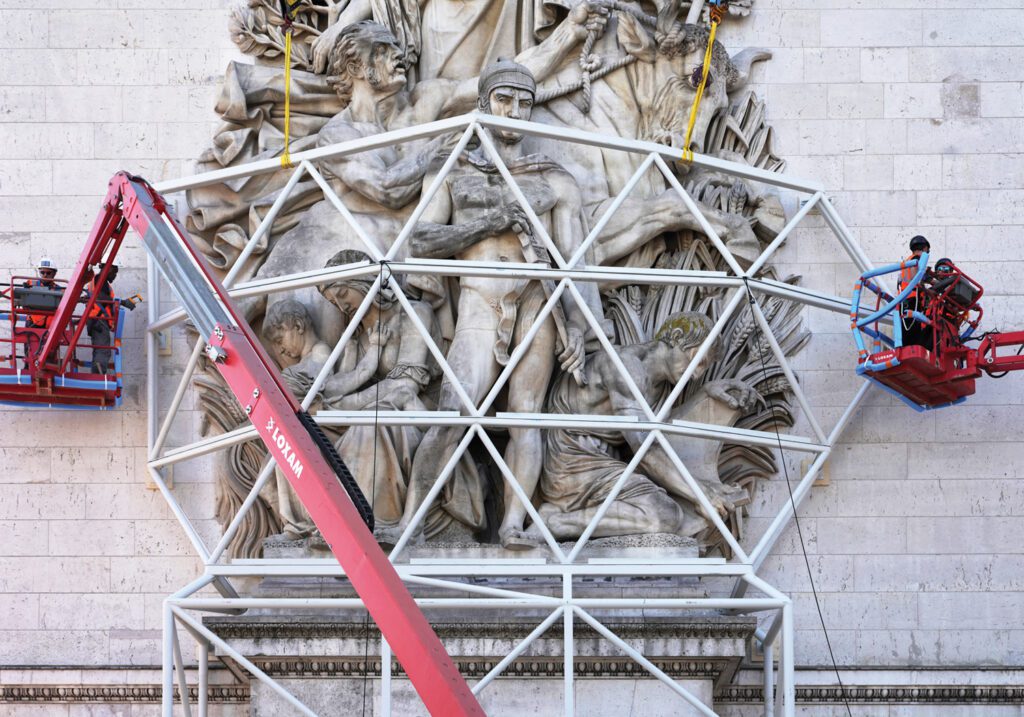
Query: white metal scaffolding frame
<point x="477" y="418"/>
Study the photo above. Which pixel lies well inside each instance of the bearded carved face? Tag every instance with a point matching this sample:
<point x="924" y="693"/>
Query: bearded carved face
<point x="669" y="73"/>
<point x="677" y="79"/>
<point x="384" y="66"/>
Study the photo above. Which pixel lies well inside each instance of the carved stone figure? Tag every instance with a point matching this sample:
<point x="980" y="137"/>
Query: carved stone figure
<point x="414" y="63"/>
<point x="368" y="72"/>
<point x="298" y="350"/>
<point x="476" y="217"/>
<point x="289" y="330"/>
<point x="390" y="369"/>
<point x="449" y="39"/>
<point x="644" y="84"/>
<point x="582" y="465"/>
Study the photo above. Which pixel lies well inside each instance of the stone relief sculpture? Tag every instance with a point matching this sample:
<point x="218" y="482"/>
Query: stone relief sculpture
<point x="627" y="69"/>
<point x="367" y="71"/>
<point x="475" y="218"/>
<point x="581" y="465"/>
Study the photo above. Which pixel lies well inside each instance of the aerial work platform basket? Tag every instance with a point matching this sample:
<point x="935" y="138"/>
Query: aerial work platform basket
<point x="26" y="318"/>
<point x="919" y="350"/>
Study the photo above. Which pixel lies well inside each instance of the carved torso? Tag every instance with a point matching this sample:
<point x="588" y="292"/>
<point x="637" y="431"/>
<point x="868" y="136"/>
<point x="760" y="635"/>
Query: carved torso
<point x="475" y="194"/>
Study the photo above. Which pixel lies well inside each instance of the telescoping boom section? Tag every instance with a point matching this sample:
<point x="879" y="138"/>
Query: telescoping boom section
<point x="307" y="459"/>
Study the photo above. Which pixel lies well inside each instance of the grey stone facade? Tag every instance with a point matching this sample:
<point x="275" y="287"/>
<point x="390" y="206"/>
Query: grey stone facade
<point x="910" y="112"/>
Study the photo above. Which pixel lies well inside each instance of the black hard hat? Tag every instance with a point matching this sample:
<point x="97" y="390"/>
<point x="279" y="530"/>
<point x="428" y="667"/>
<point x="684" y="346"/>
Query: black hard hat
<point x="919" y="242"/>
<point x="943" y="262"/>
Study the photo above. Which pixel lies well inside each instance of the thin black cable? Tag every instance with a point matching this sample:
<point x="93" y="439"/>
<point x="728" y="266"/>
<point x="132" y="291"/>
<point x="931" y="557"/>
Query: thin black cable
<point x="792" y="502"/>
<point x="376" y="439"/>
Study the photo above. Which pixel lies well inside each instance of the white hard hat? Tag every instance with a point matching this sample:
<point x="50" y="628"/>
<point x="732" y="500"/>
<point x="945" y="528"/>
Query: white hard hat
<point x="46" y="263"/>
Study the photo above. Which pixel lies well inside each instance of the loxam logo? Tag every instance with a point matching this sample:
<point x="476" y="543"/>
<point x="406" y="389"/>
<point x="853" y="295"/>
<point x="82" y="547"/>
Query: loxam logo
<point x="278" y="439"/>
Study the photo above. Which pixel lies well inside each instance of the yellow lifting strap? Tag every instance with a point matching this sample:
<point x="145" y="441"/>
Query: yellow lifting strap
<point x="716" y="17"/>
<point x="288" y="11"/>
<point x="286" y="158"/>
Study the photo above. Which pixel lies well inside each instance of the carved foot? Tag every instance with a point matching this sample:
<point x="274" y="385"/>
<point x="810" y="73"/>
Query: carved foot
<point x="388" y="537"/>
<point x="515" y="539"/>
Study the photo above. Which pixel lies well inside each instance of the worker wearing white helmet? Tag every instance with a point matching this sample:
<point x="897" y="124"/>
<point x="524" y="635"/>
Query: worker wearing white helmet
<point x="46" y="270"/>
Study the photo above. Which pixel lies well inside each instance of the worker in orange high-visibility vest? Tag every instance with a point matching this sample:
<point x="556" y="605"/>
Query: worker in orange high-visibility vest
<point x="914" y="332"/>
<point x="102" y="318"/>
<point x="46" y="270"/>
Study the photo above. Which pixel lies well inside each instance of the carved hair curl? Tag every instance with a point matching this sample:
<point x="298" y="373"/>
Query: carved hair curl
<point x="284" y="313"/>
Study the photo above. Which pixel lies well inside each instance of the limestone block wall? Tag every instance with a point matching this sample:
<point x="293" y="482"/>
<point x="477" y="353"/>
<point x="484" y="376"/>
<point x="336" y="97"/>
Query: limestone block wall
<point x="87" y="548"/>
<point x="911" y="112"/>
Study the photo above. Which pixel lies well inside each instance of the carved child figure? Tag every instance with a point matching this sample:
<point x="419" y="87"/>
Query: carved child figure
<point x="293" y="339"/>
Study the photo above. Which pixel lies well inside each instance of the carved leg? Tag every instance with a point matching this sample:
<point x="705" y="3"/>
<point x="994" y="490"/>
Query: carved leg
<point x="472" y="359"/>
<point x="528" y="387"/>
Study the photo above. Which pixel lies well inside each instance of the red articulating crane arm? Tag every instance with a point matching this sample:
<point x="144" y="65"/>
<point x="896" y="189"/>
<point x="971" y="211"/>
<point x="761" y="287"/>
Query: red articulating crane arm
<point x="303" y="454"/>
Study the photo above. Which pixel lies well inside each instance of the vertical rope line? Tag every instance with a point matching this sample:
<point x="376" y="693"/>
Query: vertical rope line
<point x="376" y="441"/>
<point x="792" y="502"/>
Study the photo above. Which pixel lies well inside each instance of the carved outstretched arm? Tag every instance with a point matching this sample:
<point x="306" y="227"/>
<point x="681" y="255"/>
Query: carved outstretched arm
<point x="440" y="241"/>
<point x="542" y="60"/>
<point x="393" y="185"/>
<point x="568" y="232"/>
<point x="354" y="11"/>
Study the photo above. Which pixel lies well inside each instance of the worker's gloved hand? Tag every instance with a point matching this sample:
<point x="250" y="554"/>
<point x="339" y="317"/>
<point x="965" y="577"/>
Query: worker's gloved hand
<point x="128" y="304"/>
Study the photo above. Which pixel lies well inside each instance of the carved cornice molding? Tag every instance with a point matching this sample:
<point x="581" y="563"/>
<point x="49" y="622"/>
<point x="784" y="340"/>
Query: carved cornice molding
<point x="736" y="694"/>
<point x="114" y="694"/>
<point x="283" y="629"/>
<point x="884" y="695"/>
<point x="314" y="668"/>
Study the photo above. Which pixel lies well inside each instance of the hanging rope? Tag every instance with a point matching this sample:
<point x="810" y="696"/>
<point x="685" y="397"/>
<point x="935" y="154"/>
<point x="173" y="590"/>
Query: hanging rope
<point x="385" y="280"/>
<point x="792" y="499"/>
<point x="589" y="62"/>
<point x="592" y="66"/>
<point x="288" y="8"/>
<point x="717" y="12"/>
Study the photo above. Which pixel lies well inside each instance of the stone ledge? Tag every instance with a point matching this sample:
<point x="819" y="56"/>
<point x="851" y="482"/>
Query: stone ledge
<point x="306" y="626"/>
<point x="736" y="694"/>
<point x="114" y="694"/>
<point x="883" y="695"/>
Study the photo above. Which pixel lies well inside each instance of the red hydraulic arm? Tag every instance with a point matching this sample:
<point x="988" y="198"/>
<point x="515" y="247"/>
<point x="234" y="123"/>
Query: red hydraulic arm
<point x="990" y="362"/>
<point x="291" y="436"/>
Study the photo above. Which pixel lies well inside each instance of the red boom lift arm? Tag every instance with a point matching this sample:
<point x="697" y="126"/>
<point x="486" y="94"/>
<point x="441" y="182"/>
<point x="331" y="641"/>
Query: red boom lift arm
<point x="303" y="454"/>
